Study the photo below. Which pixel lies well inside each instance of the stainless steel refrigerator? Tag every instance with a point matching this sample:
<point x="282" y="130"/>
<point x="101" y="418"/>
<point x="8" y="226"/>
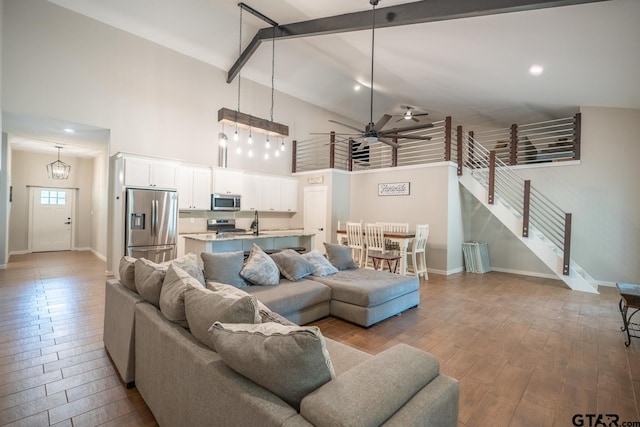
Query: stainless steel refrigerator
<point x="151" y="224"/>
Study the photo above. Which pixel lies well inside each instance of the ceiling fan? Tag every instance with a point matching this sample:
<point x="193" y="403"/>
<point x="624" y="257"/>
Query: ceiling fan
<point x="373" y="131"/>
<point x="409" y="114"/>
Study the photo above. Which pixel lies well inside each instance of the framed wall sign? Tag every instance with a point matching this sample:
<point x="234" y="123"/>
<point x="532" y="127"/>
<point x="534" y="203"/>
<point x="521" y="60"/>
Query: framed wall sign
<point x="393" y="189"/>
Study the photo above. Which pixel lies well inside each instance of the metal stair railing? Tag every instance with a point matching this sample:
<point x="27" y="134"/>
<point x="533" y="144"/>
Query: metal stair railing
<point x="517" y="194"/>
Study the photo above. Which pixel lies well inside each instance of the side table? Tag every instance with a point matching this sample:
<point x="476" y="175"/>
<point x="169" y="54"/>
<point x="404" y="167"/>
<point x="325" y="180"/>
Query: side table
<point x="378" y="259"/>
<point x="629" y="298"/>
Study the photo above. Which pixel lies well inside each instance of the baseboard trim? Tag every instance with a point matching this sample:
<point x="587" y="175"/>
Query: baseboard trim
<point x="98" y="254"/>
<point x="19" y="253"/>
<point x="525" y="273"/>
<point x="3" y="266"/>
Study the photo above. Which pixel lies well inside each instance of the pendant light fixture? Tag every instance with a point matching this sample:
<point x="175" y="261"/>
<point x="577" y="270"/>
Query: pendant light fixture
<point x="58" y="169"/>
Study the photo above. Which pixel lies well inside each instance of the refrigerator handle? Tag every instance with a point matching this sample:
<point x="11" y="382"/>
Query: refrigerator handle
<point x="154" y="216"/>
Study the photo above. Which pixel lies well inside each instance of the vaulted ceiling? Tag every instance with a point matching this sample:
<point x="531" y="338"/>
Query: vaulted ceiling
<point x="474" y="69"/>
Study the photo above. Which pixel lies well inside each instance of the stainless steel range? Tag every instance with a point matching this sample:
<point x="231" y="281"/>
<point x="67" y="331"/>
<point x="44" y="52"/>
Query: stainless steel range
<point x="224" y="226"/>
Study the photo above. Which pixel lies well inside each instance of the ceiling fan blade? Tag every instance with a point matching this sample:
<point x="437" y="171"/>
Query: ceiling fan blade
<point x="381" y="122"/>
<point x="414" y="118"/>
<point x="407" y="128"/>
<point x="347" y="126"/>
<point x="335" y="133"/>
<point x="420" y="114"/>
<point x="391" y="143"/>
<point x="420" y="138"/>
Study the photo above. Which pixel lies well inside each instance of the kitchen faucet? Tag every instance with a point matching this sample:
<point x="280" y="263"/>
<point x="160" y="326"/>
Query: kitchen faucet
<point x="254" y="225"/>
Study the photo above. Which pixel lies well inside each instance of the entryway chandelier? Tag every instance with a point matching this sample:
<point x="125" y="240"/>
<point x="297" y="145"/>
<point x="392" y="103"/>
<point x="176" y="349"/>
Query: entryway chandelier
<point x="58" y="169"/>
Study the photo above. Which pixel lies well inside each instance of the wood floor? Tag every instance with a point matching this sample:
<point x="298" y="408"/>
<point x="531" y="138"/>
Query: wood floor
<point x="527" y="351"/>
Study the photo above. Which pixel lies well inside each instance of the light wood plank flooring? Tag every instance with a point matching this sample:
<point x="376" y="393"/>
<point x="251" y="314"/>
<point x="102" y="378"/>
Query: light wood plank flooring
<point x="527" y="351"/>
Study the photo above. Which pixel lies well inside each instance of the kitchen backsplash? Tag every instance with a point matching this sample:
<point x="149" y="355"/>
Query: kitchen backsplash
<point x="196" y="221"/>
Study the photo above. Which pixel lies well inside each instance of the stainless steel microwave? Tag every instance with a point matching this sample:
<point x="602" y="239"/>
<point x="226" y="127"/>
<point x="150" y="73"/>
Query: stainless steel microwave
<point x="225" y="202"/>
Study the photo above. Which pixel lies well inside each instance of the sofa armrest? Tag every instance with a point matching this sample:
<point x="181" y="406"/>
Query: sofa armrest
<point x="371" y="392"/>
<point x="119" y="309"/>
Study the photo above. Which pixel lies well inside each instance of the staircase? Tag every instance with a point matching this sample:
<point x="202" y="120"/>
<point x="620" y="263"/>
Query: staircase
<point x="546" y="224"/>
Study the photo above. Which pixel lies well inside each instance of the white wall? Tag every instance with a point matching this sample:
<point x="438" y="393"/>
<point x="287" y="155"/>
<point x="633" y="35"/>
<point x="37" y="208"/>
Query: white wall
<point x="99" y="201"/>
<point x="4" y="173"/>
<point x="29" y="169"/>
<point x="601" y="194"/>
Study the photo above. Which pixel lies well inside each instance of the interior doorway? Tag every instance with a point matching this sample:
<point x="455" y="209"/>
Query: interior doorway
<point x="51" y="219"/>
<point x="315" y="214"/>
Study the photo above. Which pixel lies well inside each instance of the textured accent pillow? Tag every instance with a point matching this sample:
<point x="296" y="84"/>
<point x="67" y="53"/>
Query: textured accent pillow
<point x="172" y="293"/>
<point x="289" y="361"/>
<point x="292" y="265"/>
<point x="321" y="265"/>
<point x="224" y="267"/>
<point x="190" y="264"/>
<point x="204" y="307"/>
<point x="127" y="272"/>
<point x="340" y="256"/>
<point x="149" y="277"/>
<point x="260" y="269"/>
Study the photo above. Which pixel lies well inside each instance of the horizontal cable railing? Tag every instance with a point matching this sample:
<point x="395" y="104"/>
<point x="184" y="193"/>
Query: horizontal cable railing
<point x="518" y="195"/>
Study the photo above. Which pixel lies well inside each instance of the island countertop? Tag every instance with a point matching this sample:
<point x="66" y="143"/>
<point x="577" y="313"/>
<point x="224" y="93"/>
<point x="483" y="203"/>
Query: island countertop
<point x="211" y="237"/>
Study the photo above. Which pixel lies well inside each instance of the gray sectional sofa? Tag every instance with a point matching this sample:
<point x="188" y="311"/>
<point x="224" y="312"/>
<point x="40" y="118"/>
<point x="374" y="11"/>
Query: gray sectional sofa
<point x="185" y="382"/>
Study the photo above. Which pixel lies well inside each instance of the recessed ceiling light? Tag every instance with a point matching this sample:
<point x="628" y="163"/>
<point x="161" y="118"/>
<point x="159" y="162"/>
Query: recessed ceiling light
<point x="536" y="70"/>
<point x="69" y="130"/>
<point x="357" y="87"/>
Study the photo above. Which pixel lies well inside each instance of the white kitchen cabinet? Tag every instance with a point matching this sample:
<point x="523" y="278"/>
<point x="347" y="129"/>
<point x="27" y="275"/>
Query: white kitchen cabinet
<point x="227" y="181"/>
<point x="271" y="193"/>
<point x="194" y="188"/>
<point x="289" y="194"/>
<point x="251" y="192"/>
<point x="139" y="172"/>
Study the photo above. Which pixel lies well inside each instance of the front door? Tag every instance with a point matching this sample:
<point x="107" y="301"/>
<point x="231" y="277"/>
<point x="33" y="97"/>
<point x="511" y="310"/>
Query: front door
<point x="315" y="214"/>
<point x="51" y="219"/>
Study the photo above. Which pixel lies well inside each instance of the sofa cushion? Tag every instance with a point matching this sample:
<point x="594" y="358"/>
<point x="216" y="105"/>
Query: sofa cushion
<point x="266" y="314"/>
<point x="149" y="277"/>
<point x="260" y="269"/>
<point x="292" y="265"/>
<point x="189" y="263"/>
<point x="172" y="293"/>
<point x="203" y="307"/>
<point x="289" y="361"/>
<point x="224" y="267"/>
<point x="340" y="256"/>
<point x="289" y="297"/>
<point x="127" y="272"/>
<point x="321" y="265"/>
<point x="368" y="288"/>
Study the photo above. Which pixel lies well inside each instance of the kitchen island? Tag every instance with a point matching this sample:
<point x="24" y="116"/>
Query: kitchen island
<point x="274" y="239"/>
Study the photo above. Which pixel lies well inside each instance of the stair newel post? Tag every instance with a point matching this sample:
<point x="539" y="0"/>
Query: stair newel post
<point x="567" y="244"/>
<point x="332" y="150"/>
<point x="294" y="145"/>
<point x="492" y="176"/>
<point x="394" y="153"/>
<point x="459" y="148"/>
<point x="525" y="208"/>
<point x="577" y="125"/>
<point x="447" y="139"/>
<point x="472" y="149"/>
<point x="350" y="156"/>
<point x="513" y="146"/>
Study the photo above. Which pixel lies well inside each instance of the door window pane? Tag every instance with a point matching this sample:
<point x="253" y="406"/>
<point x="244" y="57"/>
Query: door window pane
<point x="53" y="197"/>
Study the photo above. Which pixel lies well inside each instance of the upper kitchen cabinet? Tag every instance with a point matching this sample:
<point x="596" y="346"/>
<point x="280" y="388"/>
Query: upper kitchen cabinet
<point x="289" y="194"/>
<point x="141" y="172"/>
<point x="194" y="188"/>
<point x="271" y="193"/>
<point x="227" y="181"/>
<point x="251" y="192"/>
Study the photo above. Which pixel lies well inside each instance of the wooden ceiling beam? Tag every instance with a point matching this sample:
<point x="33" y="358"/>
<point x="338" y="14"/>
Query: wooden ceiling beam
<point x="402" y="14"/>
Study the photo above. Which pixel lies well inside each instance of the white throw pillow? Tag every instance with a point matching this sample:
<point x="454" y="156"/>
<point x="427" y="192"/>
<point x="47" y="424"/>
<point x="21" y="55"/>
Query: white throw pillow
<point x="260" y="269"/>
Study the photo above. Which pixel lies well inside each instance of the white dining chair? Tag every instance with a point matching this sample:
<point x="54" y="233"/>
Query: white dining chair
<point x="417" y="251"/>
<point x="374" y="234"/>
<point x="355" y="241"/>
<point x="391" y="227"/>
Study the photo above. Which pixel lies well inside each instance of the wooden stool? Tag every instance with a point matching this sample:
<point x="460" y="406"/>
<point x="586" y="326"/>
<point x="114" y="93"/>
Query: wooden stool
<point x="378" y="259"/>
<point x="629" y="298"/>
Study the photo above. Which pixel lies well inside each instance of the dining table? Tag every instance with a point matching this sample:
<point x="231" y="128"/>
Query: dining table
<point x="402" y="239"/>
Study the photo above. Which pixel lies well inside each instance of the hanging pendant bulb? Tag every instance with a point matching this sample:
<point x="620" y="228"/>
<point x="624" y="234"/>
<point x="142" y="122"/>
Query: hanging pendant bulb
<point x="266" y="156"/>
<point x="277" y="153"/>
<point x="250" y="140"/>
<point x="267" y="144"/>
<point x="282" y="146"/>
<point x="235" y="135"/>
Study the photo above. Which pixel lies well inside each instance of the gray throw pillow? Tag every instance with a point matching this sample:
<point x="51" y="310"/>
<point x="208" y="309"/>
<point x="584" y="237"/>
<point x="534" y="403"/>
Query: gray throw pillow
<point x="172" y="293"/>
<point x="289" y="361"/>
<point x="224" y="267"/>
<point x="340" y="256"/>
<point x="149" y="277"/>
<point x="292" y="265"/>
<point x="260" y="269"/>
<point x="190" y="264"/>
<point x="321" y="265"/>
<point x="204" y="307"/>
<point x="127" y="272"/>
